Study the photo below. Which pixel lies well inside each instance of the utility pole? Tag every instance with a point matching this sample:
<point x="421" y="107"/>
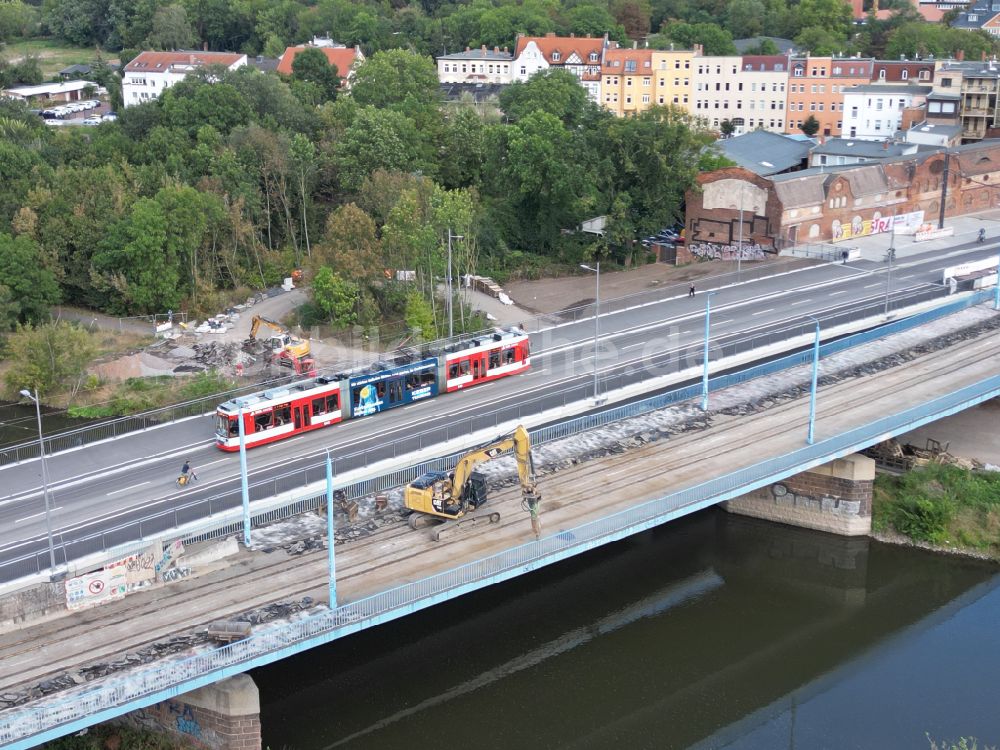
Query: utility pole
<point x="739" y="248"/>
<point x="451" y="319"/>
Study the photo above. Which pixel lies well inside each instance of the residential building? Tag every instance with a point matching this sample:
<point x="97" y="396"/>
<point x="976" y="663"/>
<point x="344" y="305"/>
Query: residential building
<point x="627" y="81"/>
<point x="480" y="65"/>
<point x="981" y="15"/>
<point x="714" y="96"/>
<point x="345" y="59"/>
<point x="816" y="86"/>
<point x="150" y="73"/>
<point x="929" y="134"/>
<point x="875" y="111"/>
<point x="977" y="88"/>
<point x="580" y="55"/>
<point x="763" y="80"/>
<point x="903" y="71"/>
<point x="673" y="77"/>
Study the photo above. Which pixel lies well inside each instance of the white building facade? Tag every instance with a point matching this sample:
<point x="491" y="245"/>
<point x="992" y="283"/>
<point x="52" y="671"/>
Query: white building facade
<point x="151" y="73"/>
<point x="476" y="66"/>
<point x="875" y="112"/>
<point x="749" y="92"/>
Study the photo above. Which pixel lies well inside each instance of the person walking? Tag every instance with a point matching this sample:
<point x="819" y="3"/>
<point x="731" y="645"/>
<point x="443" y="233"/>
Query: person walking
<point x="691" y="291"/>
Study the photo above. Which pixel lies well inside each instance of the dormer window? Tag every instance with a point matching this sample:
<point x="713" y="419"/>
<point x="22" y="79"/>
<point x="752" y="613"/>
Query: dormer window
<point x="593" y="57"/>
<point x="630" y="66"/>
<point x="973" y="17"/>
<point x="798" y="71"/>
<point x="555" y="57"/>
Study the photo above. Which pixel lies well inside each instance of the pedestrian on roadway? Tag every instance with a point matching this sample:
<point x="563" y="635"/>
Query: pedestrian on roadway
<point x="691" y="291"/>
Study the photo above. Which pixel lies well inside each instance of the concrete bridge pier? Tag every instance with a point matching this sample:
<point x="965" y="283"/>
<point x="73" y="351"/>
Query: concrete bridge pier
<point x="223" y="716"/>
<point x="835" y="497"/>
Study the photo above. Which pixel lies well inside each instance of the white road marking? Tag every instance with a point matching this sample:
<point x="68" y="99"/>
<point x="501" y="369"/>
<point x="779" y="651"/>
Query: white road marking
<point x="869" y="286"/>
<point x="720" y="322"/>
<point x="126" y="489"/>
<point x="633" y="346"/>
<point x="800" y="302"/>
<point x="761" y="312"/>
<point x="36" y="515"/>
<point x="842" y="291"/>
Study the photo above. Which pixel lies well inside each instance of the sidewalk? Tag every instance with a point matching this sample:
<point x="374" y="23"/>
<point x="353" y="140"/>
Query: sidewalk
<point x="966" y="227"/>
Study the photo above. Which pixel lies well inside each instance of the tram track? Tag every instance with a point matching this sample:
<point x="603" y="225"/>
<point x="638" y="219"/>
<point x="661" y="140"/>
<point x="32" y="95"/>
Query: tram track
<point x="568" y="500"/>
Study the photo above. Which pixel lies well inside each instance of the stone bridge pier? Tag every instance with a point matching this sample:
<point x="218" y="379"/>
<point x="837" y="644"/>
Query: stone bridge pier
<point x="223" y="716"/>
<point x="835" y="497"/>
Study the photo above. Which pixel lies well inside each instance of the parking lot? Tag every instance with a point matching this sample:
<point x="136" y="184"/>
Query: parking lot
<point x="84" y="112"/>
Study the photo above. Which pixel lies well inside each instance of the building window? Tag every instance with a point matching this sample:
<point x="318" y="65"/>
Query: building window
<point x="905" y="74"/>
<point x="555" y="57"/>
<point x="837" y="71"/>
<point x="630" y="66"/>
<point x="645" y="98"/>
<point x="923" y="75"/>
<point x="881" y="74"/>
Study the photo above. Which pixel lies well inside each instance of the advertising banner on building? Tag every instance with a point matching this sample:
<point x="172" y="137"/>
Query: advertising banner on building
<point x="94" y="589"/>
<point x="901" y="224"/>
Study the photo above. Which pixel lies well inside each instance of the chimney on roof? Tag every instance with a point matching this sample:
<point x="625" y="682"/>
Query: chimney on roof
<point x="496" y="50"/>
<point x="505" y="50"/>
<point x="468" y="49"/>
<point x="885" y="145"/>
<point x="571" y="35"/>
<point x="960" y="55"/>
<point x="635" y="44"/>
<point x="191" y="59"/>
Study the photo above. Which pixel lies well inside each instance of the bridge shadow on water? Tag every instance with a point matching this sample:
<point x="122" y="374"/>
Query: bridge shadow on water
<point x="707" y="632"/>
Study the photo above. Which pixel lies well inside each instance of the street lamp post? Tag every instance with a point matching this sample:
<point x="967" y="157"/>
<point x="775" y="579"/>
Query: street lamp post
<point x="996" y="289"/>
<point x="451" y="324"/>
<point x="45" y="475"/>
<point x="739" y="246"/>
<point x="812" y="388"/>
<point x="891" y="255"/>
<point x="597" y="322"/>
<point x="244" y="479"/>
<point x="704" y="373"/>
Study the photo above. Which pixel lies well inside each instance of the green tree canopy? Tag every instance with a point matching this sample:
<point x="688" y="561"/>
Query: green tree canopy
<point x="810" y="126"/>
<point x="47" y="356"/>
<point x="396" y="78"/>
<point x="377" y="139"/>
<point x="557" y="92"/>
<point x="715" y="40"/>
<point x="33" y="286"/>
<point x="923" y="39"/>
<point x="170" y="29"/>
<point x="313" y="66"/>
<point x="335" y="297"/>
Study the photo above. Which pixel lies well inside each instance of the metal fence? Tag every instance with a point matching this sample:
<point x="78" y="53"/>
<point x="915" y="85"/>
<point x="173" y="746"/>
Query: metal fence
<point x="144" y="685"/>
<point x="122" y="539"/>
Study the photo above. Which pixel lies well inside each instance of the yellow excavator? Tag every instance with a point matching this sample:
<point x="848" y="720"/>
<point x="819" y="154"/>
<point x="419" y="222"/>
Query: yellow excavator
<point x="288" y="349"/>
<point x="456" y="498"/>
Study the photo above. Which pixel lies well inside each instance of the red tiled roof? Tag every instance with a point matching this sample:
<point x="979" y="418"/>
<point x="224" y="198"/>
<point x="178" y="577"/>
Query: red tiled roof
<point x="343" y="57"/>
<point x="643" y="59"/>
<point x="161" y="61"/>
<point x="564" y="45"/>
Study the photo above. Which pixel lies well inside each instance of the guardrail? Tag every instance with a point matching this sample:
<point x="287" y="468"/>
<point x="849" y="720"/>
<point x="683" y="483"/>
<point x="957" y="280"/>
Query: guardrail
<point x="144" y="685"/>
<point x="121" y="540"/>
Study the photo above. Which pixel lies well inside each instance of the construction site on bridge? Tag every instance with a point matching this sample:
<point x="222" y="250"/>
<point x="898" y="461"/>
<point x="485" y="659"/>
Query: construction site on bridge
<point x="48" y="650"/>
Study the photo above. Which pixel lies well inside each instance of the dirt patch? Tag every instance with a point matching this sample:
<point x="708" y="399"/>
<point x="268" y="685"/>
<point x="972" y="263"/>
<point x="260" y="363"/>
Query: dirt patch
<point x="553" y="295"/>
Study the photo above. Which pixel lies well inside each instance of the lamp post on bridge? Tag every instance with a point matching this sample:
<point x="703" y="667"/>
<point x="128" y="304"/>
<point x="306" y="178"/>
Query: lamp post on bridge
<point x="597" y="324"/>
<point x="704" y="374"/>
<point x="45" y="475"/>
<point x="811" y="434"/>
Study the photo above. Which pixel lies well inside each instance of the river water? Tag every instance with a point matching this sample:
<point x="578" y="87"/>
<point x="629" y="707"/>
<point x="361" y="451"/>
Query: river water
<point x="714" y="631"/>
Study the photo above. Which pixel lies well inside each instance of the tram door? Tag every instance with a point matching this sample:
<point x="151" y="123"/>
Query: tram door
<point x="299" y="421"/>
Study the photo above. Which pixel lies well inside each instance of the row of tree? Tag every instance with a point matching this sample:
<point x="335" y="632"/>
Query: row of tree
<point x="433" y="26"/>
<point x="231" y="179"/>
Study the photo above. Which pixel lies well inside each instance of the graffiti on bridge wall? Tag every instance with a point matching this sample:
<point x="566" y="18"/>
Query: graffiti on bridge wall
<point x="712" y="251"/>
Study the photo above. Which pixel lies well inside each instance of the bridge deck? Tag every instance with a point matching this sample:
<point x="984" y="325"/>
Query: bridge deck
<point x="571" y="496"/>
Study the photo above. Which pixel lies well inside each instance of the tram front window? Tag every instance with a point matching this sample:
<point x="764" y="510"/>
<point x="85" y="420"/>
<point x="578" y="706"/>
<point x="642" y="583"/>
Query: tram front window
<point x="222" y="425"/>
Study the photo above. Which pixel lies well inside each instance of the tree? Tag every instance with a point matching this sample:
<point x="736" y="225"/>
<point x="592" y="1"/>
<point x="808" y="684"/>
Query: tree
<point x="727" y="128"/>
<point x="170" y="29"/>
<point x="33" y="286"/>
<point x="350" y="245"/>
<point x="835" y="16"/>
<point x="763" y="47"/>
<point x="311" y="65"/>
<point x="633" y="15"/>
<point x="377" y="139"/>
<point x="810" y="126"/>
<point x="396" y="78"/>
<point x="557" y="92"/>
<point x="923" y="39"/>
<point x="47" y="356"/>
<point x="745" y="18"/>
<point x="715" y="40"/>
<point x="821" y="41"/>
<point x="419" y="316"/>
<point x="593" y="20"/>
<point x="335" y="297"/>
<point x="16" y="19"/>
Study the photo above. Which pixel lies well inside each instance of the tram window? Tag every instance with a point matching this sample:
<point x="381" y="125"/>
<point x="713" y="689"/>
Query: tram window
<point x="234" y="427"/>
<point x="508" y="356"/>
<point x="283" y="414"/>
<point x="412" y="382"/>
<point x="494" y="360"/>
<point x="380" y="389"/>
<point x="333" y="402"/>
<point x="261" y="422"/>
<point x="463" y="367"/>
<point x="427" y="377"/>
<point x="396" y="390"/>
<point x="318" y="406"/>
<point x="452" y="371"/>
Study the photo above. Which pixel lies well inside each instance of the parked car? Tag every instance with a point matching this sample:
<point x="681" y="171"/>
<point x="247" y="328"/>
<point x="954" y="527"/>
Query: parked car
<point x="92" y="120"/>
<point x="50" y="114"/>
<point x="110" y="116"/>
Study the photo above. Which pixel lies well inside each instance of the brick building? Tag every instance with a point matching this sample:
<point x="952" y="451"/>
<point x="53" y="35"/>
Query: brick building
<point x="831" y="204"/>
